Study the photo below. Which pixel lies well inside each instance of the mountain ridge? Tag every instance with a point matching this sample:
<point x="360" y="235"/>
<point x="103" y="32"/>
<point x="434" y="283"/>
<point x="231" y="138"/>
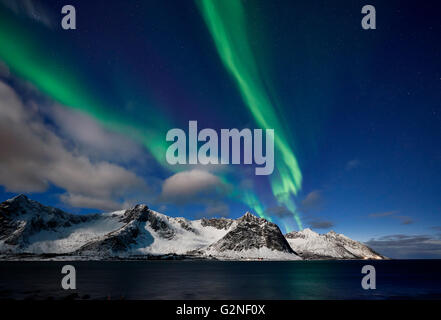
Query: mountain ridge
<point x="30" y="228"/>
<point x="331" y="245"/>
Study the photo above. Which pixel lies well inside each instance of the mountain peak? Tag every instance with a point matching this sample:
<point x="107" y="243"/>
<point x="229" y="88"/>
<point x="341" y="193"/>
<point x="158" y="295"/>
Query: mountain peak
<point x="140" y="212"/>
<point x="21" y="204"/>
<point x="218" y="223"/>
<point x="252" y="237"/>
<point x="20" y="198"/>
<point x="248" y="216"/>
<point x="141" y="207"/>
<point x="304" y="233"/>
<point x="309" y="232"/>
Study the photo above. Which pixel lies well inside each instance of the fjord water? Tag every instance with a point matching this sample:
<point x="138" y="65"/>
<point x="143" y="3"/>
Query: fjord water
<point x="396" y="279"/>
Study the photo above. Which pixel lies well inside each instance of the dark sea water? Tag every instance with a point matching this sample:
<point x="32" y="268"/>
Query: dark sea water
<point x="396" y="279"/>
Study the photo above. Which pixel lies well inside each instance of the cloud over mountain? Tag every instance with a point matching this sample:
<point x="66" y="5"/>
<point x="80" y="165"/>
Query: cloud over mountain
<point x="405" y="220"/>
<point x="187" y="186"/>
<point x="33" y="157"/>
<point x="401" y="246"/>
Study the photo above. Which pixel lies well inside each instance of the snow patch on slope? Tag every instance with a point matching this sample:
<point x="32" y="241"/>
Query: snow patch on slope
<point x="65" y="240"/>
<point x="187" y="236"/>
<point x="331" y="245"/>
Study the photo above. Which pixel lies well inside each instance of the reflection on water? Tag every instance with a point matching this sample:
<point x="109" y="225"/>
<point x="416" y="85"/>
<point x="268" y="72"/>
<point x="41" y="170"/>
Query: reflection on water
<point x="222" y="280"/>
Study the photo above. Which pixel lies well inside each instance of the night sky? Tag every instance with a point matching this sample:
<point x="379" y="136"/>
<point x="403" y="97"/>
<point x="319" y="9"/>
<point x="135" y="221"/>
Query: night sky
<point x="356" y="113"/>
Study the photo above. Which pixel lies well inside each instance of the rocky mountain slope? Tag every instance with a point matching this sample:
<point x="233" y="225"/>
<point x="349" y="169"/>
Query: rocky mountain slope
<point x="28" y="227"/>
<point x="311" y="245"/>
<point x="252" y="237"/>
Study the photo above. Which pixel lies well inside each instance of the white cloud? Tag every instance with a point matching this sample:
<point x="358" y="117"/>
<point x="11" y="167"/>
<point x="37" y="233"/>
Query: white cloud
<point x="320" y="224"/>
<point x="83" y="201"/>
<point x="401" y="246"/>
<point x="31" y="9"/>
<point x="312" y="202"/>
<point x="382" y="214"/>
<point x="91" y="138"/>
<point x="403" y="219"/>
<point x="32" y="157"/>
<point x="218" y="209"/>
<point x="196" y="187"/>
<point x="185" y="186"/>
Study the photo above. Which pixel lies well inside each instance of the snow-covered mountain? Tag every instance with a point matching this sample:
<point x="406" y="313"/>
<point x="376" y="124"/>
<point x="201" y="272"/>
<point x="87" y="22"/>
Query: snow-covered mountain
<point x="27" y="227"/>
<point x="252" y="237"/>
<point x="147" y="232"/>
<point x="311" y="245"/>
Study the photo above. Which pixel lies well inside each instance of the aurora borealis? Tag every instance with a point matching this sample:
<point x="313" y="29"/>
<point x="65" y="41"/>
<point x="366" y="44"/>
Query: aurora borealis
<point x="25" y="56"/>
<point x="22" y="55"/>
<point x="227" y="24"/>
<point x="355" y="113"/>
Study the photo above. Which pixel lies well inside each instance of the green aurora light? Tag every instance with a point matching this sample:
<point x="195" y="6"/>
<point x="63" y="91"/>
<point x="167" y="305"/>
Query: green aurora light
<point x="26" y="56"/>
<point x="226" y="22"/>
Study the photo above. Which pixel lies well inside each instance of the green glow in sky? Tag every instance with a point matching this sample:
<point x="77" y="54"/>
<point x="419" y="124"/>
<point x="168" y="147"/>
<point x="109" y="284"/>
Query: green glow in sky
<point x="32" y="58"/>
<point x="27" y="57"/>
<point x="226" y="22"/>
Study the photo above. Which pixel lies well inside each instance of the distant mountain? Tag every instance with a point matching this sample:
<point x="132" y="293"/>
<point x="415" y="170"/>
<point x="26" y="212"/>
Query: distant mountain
<point x="311" y="245"/>
<point x="28" y="227"/>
